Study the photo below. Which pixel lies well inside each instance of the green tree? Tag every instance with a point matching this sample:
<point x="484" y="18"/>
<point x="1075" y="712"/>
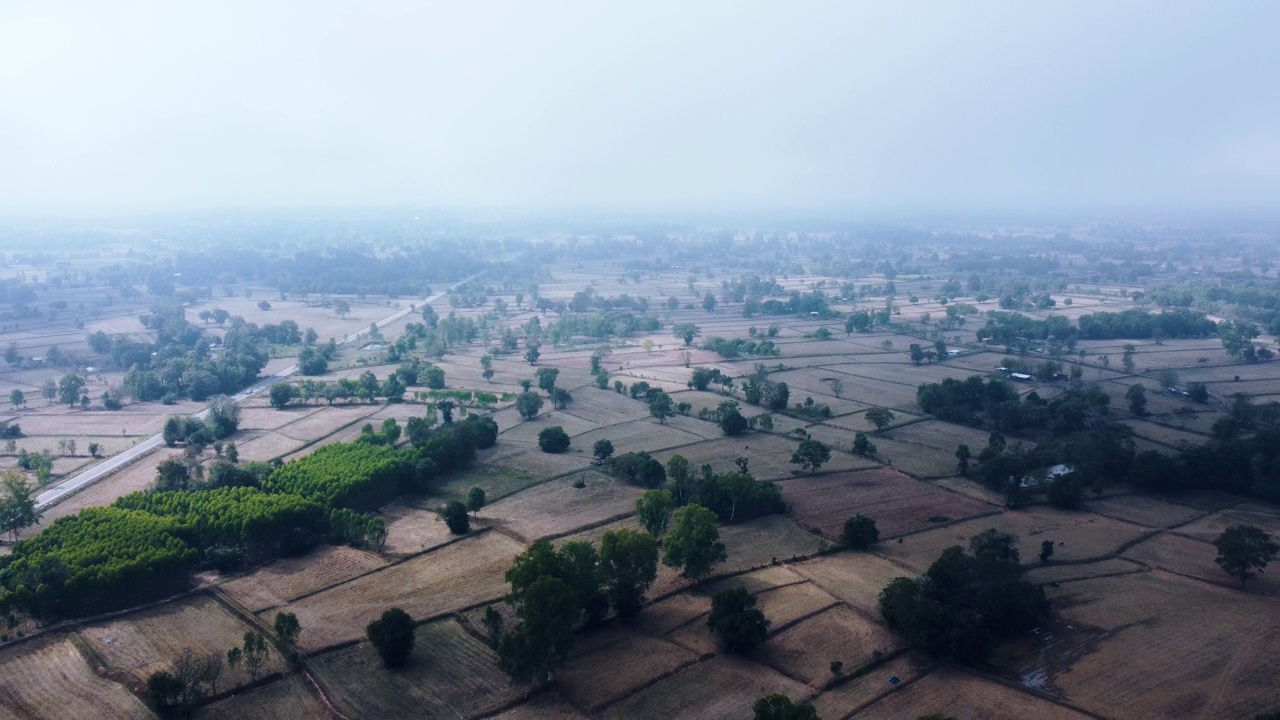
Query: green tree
<point x="392" y="636"/>
<point x="18" y="507"/>
<point x="281" y="394"/>
<point x="863" y="446"/>
<point x="1046" y="550"/>
<point x="70" y="387"/>
<point x="287" y="628"/>
<point x="780" y="707"/>
<point x="603" y="450"/>
<point x="548" y="611"/>
<point x="1244" y="549"/>
<point x="252" y="653"/>
<point x="475" y="499"/>
<point x="532" y="354"/>
<point x="560" y="398"/>
<point x="553" y="439"/>
<point x="694" y="542"/>
<point x="547" y="378"/>
<point x="455" y="516"/>
<point x="164" y="692"/>
<point x="860" y="532"/>
<point x="880" y="417"/>
<point x="528" y="404"/>
<point x="629" y="563"/>
<point x="654" y="509"/>
<point x="731" y="420"/>
<point x="917" y="353"/>
<point x="1127" y="359"/>
<point x="810" y="455"/>
<point x="661" y="408"/>
<point x="493" y="625"/>
<point x="963" y="456"/>
<point x="17" y="398"/>
<point x="683" y="486"/>
<point x="1137" y="397"/>
<point x="686" y="332"/>
<point x="736" y="621"/>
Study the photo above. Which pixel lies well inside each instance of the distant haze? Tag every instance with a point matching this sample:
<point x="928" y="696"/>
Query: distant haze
<point x="642" y="106"/>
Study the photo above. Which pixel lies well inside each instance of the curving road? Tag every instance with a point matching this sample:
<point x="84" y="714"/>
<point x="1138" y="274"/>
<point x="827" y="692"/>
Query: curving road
<point x="144" y="448"/>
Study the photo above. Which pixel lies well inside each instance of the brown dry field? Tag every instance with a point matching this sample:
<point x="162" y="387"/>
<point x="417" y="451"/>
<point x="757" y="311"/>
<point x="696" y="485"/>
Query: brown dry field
<point x="856" y="578"/>
<point x="852" y="694"/>
<point x="412" y="530"/>
<point x="450" y="674"/>
<point x="723" y="688"/>
<point x="956" y="693"/>
<point x="758" y="542"/>
<point x="646" y="435"/>
<point x="593" y="679"/>
<point x="1120" y="665"/>
<point x="141" y="643"/>
<point x="805" y="650"/>
<point x="1211" y="526"/>
<point x="1079" y="536"/>
<point x="290" y="578"/>
<point x="457" y="576"/>
<point x="769" y="455"/>
<point x="49" y="678"/>
<point x="898" y="503"/>
<point x="1195" y="558"/>
<point x="1052" y="573"/>
<point x="289" y="697"/>
<point x="1146" y="510"/>
<point x="556" y="507"/>
<point x="548" y="705"/>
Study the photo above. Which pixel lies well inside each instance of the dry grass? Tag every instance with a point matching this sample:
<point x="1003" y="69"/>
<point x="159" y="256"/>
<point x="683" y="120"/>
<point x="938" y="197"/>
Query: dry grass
<point x="289" y="697"/>
<point x="769" y="455"/>
<point x="454" y="577"/>
<point x="50" y="679"/>
<point x="266" y="446"/>
<point x="412" y="530"/>
<point x="1165" y="646"/>
<point x="854" y="577"/>
<point x="1189" y="556"/>
<point x="450" y="674"/>
<point x="597" y="678"/>
<point x="805" y="651"/>
<point x="1145" y="510"/>
<point x="289" y="578"/>
<point x="956" y="693"/>
<point x="543" y="706"/>
<point x="843" y="699"/>
<point x="898" y="503"/>
<point x="144" y="642"/>
<point x="761" y="541"/>
<point x="1209" y="527"/>
<point x="1079" y="536"/>
<point x="557" y="507"/>
<point x="1053" y="573"/>
<point x="722" y="688"/>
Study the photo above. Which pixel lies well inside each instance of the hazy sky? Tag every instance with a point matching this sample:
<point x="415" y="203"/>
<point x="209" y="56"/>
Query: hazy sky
<point x="639" y="106"/>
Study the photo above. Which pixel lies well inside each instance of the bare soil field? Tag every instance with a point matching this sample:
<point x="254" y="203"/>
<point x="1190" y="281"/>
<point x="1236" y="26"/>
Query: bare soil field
<point x="957" y="693"/>
<point x="1209" y="527"/>
<point x="413" y="530"/>
<point x="450" y="674"/>
<point x="49" y="678"/>
<point x="897" y="396"/>
<point x="1226" y="667"/>
<point x="1053" y="573"/>
<point x="498" y="478"/>
<point x="1079" y="536"/>
<point x="858" y="422"/>
<point x="723" y="688"/>
<point x="854" y="577"/>
<point x="556" y="507"/>
<point x="847" y="696"/>
<point x="543" y="706"/>
<point x="805" y="650"/>
<point x="1146" y="510"/>
<point x="1195" y="558"/>
<point x="289" y="578"/>
<point x="142" y="643"/>
<point x="763" y="540"/>
<point x="289" y="697"/>
<point x="769" y="455"/>
<point x="645" y="435"/>
<point x="898" y="504"/>
<point x="597" y="678"/>
<point x="454" y="577"/>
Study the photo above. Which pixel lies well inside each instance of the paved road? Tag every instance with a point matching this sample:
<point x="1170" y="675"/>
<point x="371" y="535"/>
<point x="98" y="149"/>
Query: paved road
<point x="142" y="449"/>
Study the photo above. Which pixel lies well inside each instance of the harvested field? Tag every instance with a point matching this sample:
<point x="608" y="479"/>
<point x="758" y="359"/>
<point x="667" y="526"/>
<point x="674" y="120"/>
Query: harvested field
<point x="1146" y="510"/>
<point x="528" y="431"/>
<point x="854" y="577"/>
<point x="781" y="606"/>
<point x="454" y="577"/>
<point x="962" y="695"/>
<point x="325" y="422"/>
<point x="858" y="422"/>
<point x="50" y="679"/>
<point x="970" y="488"/>
<point x="761" y="541"/>
<point x="267" y="446"/>
<point x="805" y="650"/>
<point x="289" y="697"/>
<point x="898" y="503"/>
<point x="557" y="507"/>
<point x="545" y="465"/>
<point x="1225" y="668"/>
<point x="265" y="417"/>
<point x="769" y="455"/>
<point x="1195" y="558"/>
<point x="289" y="578"/>
<point x="1079" y="536"/>
<point x="1209" y="527"/>
<point x="498" y="479"/>
<point x="412" y="530"/>
<point x="450" y="674"/>
<point x="721" y="688"/>
<point x="665" y="616"/>
<point x="543" y="706"/>
<point x="642" y="435"/>
<point x="848" y="696"/>
<point x="597" y="678"/>
<point x="1165" y="435"/>
<point x="143" y="642"/>
<point x="1051" y="573"/>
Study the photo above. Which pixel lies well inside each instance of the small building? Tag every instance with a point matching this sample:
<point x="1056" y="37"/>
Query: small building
<point x="1020" y="376"/>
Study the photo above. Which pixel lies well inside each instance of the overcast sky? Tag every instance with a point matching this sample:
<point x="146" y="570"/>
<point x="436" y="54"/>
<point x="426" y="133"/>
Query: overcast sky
<point x="640" y="106"/>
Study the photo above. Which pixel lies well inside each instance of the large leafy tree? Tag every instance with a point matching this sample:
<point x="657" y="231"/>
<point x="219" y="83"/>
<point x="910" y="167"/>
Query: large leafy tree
<point x="392" y="636"/>
<point x="780" y="707"/>
<point x="18" y="507"/>
<point x="811" y="455"/>
<point x="736" y="621"/>
<point x="693" y="544"/>
<point x="629" y="563"/>
<point x="654" y="510"/>
<point x="540" y="644"/>
<point x="1244" y="550"/>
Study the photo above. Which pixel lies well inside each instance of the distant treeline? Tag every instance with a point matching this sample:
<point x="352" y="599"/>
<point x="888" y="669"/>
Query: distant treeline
<point x="146" y="545"/>
<point x="1251" y="298"/>
<point x="1010" y="327"/>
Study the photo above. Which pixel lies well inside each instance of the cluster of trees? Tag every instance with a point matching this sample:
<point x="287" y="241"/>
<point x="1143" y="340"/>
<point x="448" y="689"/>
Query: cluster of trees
<point x="965" y="603"/>
<point x="1249" y="297"/>
<point x="146" y="544"/>
<point x="1144" y="325"/>
<point x="996" y="404"/>
<point x="734" y="496"/>
<point x="1246" y="465"/>
<point x="222" y="419"/>
<point x="739" y="347"/>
